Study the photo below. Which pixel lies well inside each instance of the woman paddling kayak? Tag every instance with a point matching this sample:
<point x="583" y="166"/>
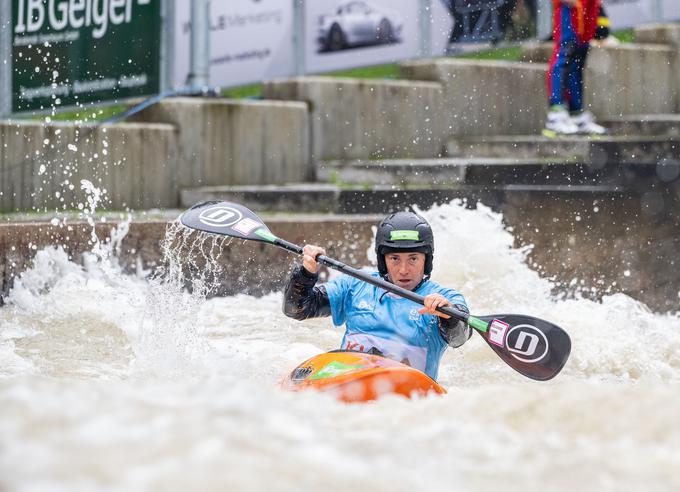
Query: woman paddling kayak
<point x="376" y="321"/>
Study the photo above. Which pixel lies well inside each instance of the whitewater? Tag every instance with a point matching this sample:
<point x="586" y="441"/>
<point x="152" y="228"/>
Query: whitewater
<point x="115" y="382"/>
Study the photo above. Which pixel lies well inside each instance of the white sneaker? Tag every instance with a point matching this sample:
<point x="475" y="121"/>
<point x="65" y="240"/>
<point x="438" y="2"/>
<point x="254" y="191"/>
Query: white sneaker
<point x="560" y="122"/>
<point x="585" y="123"/>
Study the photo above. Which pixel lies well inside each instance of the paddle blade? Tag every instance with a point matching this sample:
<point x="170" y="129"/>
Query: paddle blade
<point x="227" y="219"/>
<point x="533" y="347"/>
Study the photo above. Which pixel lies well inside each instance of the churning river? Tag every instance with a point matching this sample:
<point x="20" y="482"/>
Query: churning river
<point x="111" y="382"/>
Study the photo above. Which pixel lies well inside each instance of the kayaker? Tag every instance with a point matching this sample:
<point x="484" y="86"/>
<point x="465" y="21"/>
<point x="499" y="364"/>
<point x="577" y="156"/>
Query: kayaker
<point x="375" y="320"/>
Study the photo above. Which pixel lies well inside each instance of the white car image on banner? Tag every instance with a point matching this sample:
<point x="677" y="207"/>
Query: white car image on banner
<point x="350" y="33"/>
<point x="250" y="41"/>
<point x="357" y="23"/>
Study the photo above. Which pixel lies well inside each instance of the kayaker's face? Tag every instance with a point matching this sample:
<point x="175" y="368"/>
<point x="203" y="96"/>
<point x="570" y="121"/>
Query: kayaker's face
<point x="405" y="269"/>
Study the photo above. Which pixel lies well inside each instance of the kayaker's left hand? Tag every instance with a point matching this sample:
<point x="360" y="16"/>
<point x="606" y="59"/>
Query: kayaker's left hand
<point x="432" y="302"/>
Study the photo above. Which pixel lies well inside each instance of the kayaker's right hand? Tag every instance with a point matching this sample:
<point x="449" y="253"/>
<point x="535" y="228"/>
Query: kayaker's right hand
<point x="310" y="252"/>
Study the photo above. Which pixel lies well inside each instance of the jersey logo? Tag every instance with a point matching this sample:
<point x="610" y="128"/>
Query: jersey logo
<point x="363" y="305"/>
<point x="414" y="315"/>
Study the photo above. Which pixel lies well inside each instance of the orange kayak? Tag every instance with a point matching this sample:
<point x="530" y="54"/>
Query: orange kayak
<point x="359" y="377"/>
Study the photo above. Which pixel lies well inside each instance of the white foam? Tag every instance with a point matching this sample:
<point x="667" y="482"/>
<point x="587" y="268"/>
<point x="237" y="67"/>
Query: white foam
<point x="115" y="382"/>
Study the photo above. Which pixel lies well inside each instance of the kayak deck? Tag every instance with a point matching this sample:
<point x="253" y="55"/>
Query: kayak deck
<point x="359" y="377"/>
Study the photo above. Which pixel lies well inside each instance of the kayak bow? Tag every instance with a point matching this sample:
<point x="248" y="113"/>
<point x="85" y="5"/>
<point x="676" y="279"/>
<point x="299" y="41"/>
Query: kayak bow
<point x="359" y="377"/>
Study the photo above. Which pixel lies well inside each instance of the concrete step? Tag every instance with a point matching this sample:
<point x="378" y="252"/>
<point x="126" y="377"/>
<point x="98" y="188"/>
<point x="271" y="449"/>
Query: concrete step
<point x="325" y="198"/>
<point x="453" y="171"/>
<point x="596" y="152"/>
<point x="646" y="124"/>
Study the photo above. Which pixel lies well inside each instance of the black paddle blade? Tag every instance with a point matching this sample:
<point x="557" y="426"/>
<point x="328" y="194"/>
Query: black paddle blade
<point x="533" y="347"/>
<point x="227" y="219"/>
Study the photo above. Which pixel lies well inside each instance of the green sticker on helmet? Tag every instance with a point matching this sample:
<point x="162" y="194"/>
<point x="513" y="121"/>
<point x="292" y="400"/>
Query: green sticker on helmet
<point x="404" y="236"/>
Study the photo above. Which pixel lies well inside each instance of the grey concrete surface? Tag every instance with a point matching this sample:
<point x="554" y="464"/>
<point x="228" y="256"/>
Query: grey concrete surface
<point x="595" y="151"/>
<point x="405" y="172"/>
<point x="222" y="141"/>
<point x="645" y="124"/>
<point x="42" y="165"/>
<point x="626" y="79"/>
<point x="615" y="241"/>
<point x="367" y="119"/>
<point x="632" y="79"/>
<point x="376" y="199"/>
<point x="253" y="267"/>
<point x="668" y="34"/>
<point x="486" y="97"/>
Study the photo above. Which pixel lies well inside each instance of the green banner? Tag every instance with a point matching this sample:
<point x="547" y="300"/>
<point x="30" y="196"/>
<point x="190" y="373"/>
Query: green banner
<point x="73" y="52"/>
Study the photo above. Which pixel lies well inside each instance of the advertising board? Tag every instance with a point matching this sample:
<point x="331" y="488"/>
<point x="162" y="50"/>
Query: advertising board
<point x="74" y="52"/>
<point x="250" y="41"/>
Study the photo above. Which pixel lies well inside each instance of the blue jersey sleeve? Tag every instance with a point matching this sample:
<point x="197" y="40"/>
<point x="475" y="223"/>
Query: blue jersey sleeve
<point x="338" y="295"/>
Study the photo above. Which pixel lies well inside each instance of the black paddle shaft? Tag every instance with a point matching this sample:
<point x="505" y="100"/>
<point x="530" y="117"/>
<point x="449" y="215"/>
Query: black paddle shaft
<point x="378" y="282"/>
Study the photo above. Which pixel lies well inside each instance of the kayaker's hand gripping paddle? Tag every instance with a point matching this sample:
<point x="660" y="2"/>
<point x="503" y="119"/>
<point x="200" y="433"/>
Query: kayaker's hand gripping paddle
<point x="533" y="347"/>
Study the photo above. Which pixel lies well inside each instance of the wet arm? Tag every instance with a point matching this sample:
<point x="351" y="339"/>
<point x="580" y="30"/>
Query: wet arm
<point x="453" y="331"/>
<point x="301" y="299"/>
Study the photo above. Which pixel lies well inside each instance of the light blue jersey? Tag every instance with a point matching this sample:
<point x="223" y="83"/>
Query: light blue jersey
<point x="391" y="324"/>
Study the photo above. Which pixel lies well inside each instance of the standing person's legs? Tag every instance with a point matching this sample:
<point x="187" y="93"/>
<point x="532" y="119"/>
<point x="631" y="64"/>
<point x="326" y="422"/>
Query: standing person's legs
<point x="559" y="73"/>
<point x="577" y="55"/>
<point x="558" y="120"/>
<point x="584" y="120"/>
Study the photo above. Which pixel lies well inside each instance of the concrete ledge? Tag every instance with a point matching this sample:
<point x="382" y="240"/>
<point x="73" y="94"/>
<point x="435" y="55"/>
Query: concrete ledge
<point x="632" y="79"/>
<point x="635" y="245"/>
<point x="405" y="172"/>
<point x="668" y="34"/>
<point x="624" y="79"/>
<point x="42" y="165"/>
<point x="485" y="97"/>
<point x="558" y="220"/>
<point x="596" y="152"/>
<point x="254" y="268"/>
<point x="359" y="119"/>
<point x="393" y="171"/>
<point x="223" y="141"/>
<point x="375" y="199"/>
<point x="648" y="124"/>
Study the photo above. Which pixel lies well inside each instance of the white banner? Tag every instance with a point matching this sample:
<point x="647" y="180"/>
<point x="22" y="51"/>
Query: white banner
<point x="670" y="10"/>
<point x="250" y="41"/>
<point x="442" y="25"/>
<point x="253" y="40"/>
<point x="631" y="13"/>
<point x="342" y="33"/>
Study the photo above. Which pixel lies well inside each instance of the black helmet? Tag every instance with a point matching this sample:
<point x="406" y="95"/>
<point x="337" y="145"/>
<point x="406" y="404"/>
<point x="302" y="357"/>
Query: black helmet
<point x="404" y="232"/>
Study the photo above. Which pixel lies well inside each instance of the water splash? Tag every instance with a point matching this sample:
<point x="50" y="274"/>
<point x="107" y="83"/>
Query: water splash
<point x="168" y="416"/>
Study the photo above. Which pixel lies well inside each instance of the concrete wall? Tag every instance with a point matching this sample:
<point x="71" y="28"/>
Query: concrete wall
<point x="621" y="237"/>
<point x="254" y="268"/>
<point x="625" y="79"/>
<point x="632" y="79"/>
<point x="668" y="34"/>
<point x="665" y="34"/>
<point x="223" y="141"/>
<point x="42" y="165"/>
<point x="355" y="119"/>
<point x="176" y="144"/>
<point x="486" y="97"/>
